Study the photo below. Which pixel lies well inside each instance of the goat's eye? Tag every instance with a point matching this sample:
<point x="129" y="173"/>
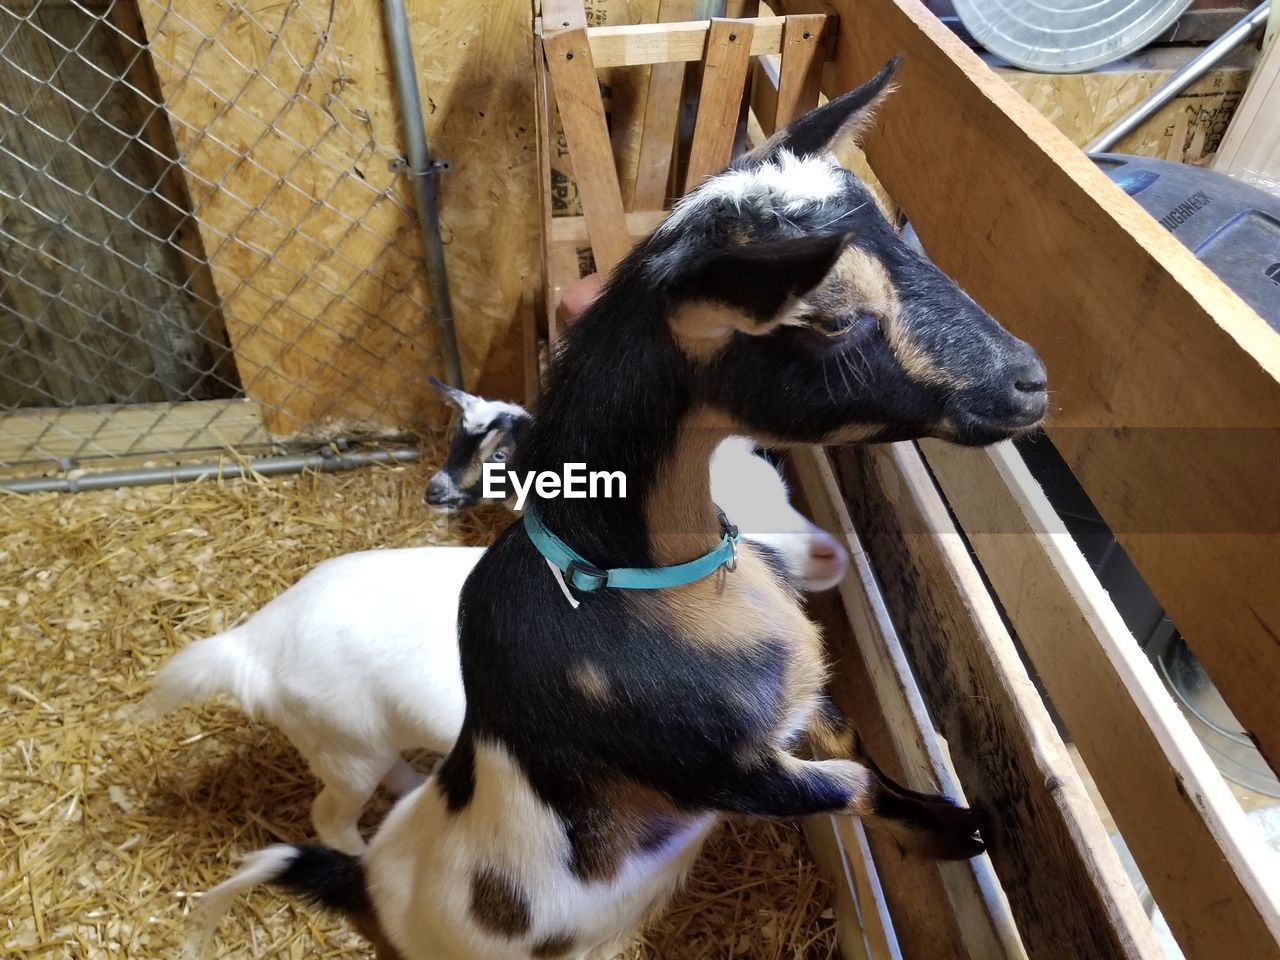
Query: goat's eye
<point x="499" y="456"/>
<point x="845" y="323"/>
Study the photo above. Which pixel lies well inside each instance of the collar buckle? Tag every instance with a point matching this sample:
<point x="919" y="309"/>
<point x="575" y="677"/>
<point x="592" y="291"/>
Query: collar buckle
<point x="601" y="577"/>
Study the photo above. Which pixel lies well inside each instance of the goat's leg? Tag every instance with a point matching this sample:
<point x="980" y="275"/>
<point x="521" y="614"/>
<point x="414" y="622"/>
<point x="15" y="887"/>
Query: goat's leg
<point x="780" y="785"/>
<point x="350" y="779"/>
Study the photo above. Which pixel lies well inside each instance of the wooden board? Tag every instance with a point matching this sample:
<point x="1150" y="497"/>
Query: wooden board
<point x="623" y="91"/>
<point x="1216" y="887"/>
<point x="573" y="82"/>
<point x="1251" y="147"/>
<point x="872" y="673"/>
<point x="1063" y="878"/>
<point x="724" y="78"/>
<point x="675" y="42"/>
<point x="287" y="125"/>
<point x="1125" y="319"/>
<point x="800" y="70"/>
<point x="96" y="306"/>
<point x="661" y="111"/>
<point x="117" y="431"/>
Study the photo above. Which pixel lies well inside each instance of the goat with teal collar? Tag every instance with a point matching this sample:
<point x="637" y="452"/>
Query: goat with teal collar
<point x="602" y="743"/>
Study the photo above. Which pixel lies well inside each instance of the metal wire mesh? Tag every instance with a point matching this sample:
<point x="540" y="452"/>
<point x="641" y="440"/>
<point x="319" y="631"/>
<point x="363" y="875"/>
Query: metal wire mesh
<point x="206" y="237"/>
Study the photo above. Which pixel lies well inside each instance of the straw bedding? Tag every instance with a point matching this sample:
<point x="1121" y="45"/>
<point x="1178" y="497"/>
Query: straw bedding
<point x="108" y="827"/>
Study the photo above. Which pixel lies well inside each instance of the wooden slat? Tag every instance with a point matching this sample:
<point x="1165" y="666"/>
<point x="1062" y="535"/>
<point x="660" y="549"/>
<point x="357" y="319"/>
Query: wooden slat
<point x="1251" y="146"/>
<point x="81" y="432"/>
<point x="661" y="113"/>
<point x="1216" y="887"/>
<point x="724" y="77"/>
<point x="801" y="70"/>
<point x="1063" y="878"/>
<point x="574" y="229"/>
<point x="631" y="46"/>
<point x="577" y="94"/>
<point x="1126" y="320"/>
<point x="984" y="928"/>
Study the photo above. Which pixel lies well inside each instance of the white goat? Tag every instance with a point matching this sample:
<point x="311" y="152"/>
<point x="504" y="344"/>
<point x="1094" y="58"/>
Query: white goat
<point x="358" y="661"/>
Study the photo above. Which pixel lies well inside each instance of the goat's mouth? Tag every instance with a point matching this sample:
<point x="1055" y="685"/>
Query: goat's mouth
<point x="450" y="506"/>
<point x="976" y="430"/>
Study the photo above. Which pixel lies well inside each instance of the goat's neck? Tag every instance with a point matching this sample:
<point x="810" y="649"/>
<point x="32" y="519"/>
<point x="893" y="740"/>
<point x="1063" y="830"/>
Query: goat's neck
<point x="625" y="404"/>
<point x="679" y="513"/>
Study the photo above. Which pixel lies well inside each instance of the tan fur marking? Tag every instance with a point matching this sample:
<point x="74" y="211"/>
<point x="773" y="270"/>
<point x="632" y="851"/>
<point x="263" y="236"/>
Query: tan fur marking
<point x="592" y="682"/>
<point x="678" y="513"/>
<point x="703" y="328"/>
<point x="857" y="282"/>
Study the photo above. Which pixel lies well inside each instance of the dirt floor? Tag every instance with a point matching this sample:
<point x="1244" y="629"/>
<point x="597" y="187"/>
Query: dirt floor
<point x="108" y="828"/>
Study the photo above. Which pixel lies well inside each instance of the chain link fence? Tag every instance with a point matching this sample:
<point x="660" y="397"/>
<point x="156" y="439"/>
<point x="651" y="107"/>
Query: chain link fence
<point x="207" y="238"/>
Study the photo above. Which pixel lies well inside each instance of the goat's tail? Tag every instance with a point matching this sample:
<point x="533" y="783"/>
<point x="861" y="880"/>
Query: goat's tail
<point x="317" y="873"/>
<point x="223" y="663"/>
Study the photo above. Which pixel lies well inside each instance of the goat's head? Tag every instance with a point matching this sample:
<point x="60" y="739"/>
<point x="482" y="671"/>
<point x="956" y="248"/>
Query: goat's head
<point x="487" y="432"/>
<point x="782" y="271"/>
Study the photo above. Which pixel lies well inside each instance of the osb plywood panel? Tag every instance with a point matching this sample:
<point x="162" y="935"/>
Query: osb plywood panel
<point x="286" y="120"/>
<point x="1187" y="129"/>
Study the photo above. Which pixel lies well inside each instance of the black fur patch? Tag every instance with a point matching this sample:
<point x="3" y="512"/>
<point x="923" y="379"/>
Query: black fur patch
<point x="457" y="774"/>
<point x="327" y="877"/>
<point x="556" y="945"/>
<point x="498" y="904"/>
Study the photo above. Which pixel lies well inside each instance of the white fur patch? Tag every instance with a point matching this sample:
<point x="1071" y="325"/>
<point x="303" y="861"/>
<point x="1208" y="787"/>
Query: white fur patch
<point x="481" y="413"/>
<point x="789" y="183"/>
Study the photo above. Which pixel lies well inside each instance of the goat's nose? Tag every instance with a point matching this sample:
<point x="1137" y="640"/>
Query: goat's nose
<point x="822" y="548"/>
<point x="438" y="488"/>
<point x="1028" y="383"/>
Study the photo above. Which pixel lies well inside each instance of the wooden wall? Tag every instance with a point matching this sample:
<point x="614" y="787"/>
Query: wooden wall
<point x="286" y="123"/>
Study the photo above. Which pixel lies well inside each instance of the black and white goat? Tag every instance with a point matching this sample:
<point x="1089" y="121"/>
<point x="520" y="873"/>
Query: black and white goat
<point x="601" y="744"/>
<point x="358" y="661"/>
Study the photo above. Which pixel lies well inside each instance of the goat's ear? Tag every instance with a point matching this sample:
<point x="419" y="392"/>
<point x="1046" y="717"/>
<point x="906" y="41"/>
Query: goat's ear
<point x="759" y="278"/>
<point x="452" y="395"/>
<point x="845" y="117"/>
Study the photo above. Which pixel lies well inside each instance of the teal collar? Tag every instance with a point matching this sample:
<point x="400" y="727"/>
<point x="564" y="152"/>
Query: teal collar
<point x="583" y="576"/>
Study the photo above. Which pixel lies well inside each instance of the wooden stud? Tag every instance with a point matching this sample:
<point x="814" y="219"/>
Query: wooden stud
<point x="1216" y="890"/>
<point x="577" y="94"/>
<point x="867" y="645"/>
<point x="661" y="113"/>
<point x="723" y="81"/>
<point x="801" y="70"/>
<point x="1122" y="315"/>
<point x="1061" y="874"/>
